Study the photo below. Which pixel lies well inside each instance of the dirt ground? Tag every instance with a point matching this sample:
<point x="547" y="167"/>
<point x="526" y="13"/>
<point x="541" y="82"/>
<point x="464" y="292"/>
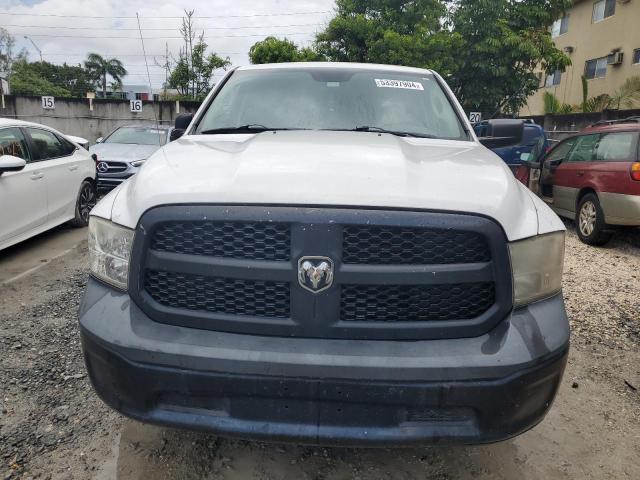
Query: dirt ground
<point x="52" y="425"/>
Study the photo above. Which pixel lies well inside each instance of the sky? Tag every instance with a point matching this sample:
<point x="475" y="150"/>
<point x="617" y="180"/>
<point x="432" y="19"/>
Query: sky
<point x="66" y="30"/>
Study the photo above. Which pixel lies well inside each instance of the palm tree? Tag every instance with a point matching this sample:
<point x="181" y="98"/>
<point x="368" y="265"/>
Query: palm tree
<point x="100" y="67"/>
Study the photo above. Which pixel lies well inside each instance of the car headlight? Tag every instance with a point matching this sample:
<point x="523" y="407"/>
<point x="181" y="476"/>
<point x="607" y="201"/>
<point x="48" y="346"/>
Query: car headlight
<point x="109" y="251"/>
<point x="137" y="163"/>
<point x="537" y="264"/>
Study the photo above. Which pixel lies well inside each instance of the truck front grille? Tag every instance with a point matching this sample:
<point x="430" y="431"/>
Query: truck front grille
<point x="250" y="240"/>
<point x="403" y="246"/>
<point x="397" y="274"/>
<point x="219" y="295"/>
<point x="417" y="303"/>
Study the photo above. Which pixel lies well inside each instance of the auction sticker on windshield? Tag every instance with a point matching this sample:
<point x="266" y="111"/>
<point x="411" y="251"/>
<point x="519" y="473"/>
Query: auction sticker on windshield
<point x="384" y="83"/>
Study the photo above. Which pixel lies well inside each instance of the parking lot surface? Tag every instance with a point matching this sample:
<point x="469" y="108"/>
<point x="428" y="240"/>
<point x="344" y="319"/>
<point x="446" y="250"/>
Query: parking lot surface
<point x="52" y="425"/>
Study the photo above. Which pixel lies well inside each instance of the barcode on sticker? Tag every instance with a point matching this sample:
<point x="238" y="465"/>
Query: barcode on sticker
<point x="385" y="83"/>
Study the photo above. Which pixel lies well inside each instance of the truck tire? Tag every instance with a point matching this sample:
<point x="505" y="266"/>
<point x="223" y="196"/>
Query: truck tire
<point x="84" y="203"/>
<point x="590" y="223"/>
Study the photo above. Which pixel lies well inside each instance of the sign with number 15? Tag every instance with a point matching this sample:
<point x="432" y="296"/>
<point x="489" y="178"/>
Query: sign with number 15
<point x="48" y="103"/>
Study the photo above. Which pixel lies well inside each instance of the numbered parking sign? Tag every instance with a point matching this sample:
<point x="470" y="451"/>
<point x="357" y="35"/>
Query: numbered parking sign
<point x="475" y="117"/>
<point x="135" y="106"/>
<point x="48" y="103"/>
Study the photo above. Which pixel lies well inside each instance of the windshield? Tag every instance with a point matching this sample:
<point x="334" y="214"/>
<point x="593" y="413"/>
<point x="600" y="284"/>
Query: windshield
<point x="138" y="135"/>
<point x="333" y="99"/>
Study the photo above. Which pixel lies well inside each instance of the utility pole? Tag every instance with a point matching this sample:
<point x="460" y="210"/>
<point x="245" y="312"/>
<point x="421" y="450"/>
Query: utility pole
<point x="35" y="46"/>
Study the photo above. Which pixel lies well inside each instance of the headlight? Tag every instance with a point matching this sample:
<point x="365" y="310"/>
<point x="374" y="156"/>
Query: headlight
<point x="109" y="251"/>
<point x="137" y="163"/>
<point x="537" y="267"/>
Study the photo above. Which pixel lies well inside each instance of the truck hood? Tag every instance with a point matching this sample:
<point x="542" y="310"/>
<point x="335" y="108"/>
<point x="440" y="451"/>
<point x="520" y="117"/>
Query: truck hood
<point x="328" y="168"/>
<point x="123" y="152"/>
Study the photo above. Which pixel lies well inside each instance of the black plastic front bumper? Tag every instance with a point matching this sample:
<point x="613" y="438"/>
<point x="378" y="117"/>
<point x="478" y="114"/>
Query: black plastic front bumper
<point x="389" y="393"/>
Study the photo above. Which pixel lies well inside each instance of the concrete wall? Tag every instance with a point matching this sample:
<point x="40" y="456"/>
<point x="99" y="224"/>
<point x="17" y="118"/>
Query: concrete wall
<point x="561" y="126"/>
<point x="77" y="117"/>
<point x="589" y="40"/>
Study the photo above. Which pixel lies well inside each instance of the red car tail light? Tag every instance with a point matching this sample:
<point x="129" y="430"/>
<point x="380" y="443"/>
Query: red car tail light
<point x="635" y="171"/>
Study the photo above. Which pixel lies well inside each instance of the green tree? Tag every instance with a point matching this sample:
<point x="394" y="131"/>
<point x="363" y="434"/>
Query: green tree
<point x="275" y="50"/>
<point x="99" y="68"/>
<point x="26" y="80"/>
<point x="503" y="43"/>
<point x="7" y="55"/>
<point x="488" y="50"/>
<point x="73" y="81"/>
<point x="552" y="105"/>
<point x="390" y="31"/>
<point x="193" y="72"/>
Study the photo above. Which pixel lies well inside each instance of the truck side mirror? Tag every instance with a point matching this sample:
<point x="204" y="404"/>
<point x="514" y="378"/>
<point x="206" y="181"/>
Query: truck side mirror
<point x="503" y="133"/>
<point x="182" y="123"/>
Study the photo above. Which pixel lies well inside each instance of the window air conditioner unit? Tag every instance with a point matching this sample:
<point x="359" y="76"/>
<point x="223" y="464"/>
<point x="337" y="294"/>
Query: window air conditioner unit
<point x="615" y="58"/>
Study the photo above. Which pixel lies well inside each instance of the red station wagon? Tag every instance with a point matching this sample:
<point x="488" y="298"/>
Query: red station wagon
<point x="594" y="178"/>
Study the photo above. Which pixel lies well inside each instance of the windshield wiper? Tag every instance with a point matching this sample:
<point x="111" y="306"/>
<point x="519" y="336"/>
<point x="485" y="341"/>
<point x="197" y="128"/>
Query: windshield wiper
<point x="367" y="128"/>
<point x="249" y="128"/>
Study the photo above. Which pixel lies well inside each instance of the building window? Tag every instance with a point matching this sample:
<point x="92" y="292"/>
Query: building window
<point x="603" y="9"/>
<point x="560" y="26"/>
<point x="553" y="79"/>
<point x="596" y="68"/>
<point x="636" y="56"/>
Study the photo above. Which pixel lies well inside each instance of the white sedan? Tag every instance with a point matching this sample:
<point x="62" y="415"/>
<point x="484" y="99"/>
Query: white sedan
<point x="45" y="180"/>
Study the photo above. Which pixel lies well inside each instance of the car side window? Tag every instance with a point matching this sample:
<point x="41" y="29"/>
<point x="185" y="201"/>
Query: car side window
<point x="584" y="150"/>
<point x="46" y="145"/>
<point x="614" y="147"/>
<point x="561" y="150"/>
<point x="12" y="142"/>
<point x="67" y="146"/>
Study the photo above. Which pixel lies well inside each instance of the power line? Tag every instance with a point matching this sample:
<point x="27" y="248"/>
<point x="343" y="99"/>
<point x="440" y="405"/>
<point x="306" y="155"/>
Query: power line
<point x="178" y="17"/>
<point x="163" y="38"/>
<point x="46" y="54"/>
<point x="61" y="27"/>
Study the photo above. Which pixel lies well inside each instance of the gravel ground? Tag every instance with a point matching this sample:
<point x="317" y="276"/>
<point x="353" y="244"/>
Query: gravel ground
<point x="52" y="425"/>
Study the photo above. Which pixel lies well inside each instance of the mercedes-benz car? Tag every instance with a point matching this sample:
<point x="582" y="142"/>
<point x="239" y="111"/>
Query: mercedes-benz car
<point x="328" y="254"/>
<point x="120" y="154"/>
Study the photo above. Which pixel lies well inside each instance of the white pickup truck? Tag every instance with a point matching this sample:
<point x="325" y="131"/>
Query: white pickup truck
<point x="328" y="255"/>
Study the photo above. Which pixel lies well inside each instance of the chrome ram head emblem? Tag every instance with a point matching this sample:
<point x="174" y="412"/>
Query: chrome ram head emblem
<point x="315" y="273"/>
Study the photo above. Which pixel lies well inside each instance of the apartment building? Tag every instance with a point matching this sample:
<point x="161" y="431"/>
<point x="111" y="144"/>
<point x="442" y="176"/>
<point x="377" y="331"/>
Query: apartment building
<point x="602" y="38"/>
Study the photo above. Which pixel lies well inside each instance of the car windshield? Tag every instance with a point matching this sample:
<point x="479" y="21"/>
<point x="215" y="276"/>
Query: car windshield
<point x="322" y="98"/>
<point x="138" y="135"/>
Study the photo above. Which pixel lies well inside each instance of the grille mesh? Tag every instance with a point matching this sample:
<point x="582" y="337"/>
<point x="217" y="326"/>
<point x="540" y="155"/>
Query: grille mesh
<point x="219" y="295"/>
<point x="116" y="167"/>
<point x="398" y="245"/>
<point x="252" y="241"/>
<point x="395" y="303"/>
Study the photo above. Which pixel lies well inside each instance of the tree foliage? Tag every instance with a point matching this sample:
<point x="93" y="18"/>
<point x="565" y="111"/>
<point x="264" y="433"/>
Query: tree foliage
<point x="193" y="71"/>
<point x="99" y="68"/>
<point x="7" y="54"/>
<point x="27" y="79"/>
<point x="503" y="43"/>
<point x="488" y="50"/>
<point x="389" y="31"/>
<point x="275" y="50"/>
<point x="72" y="81"/>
